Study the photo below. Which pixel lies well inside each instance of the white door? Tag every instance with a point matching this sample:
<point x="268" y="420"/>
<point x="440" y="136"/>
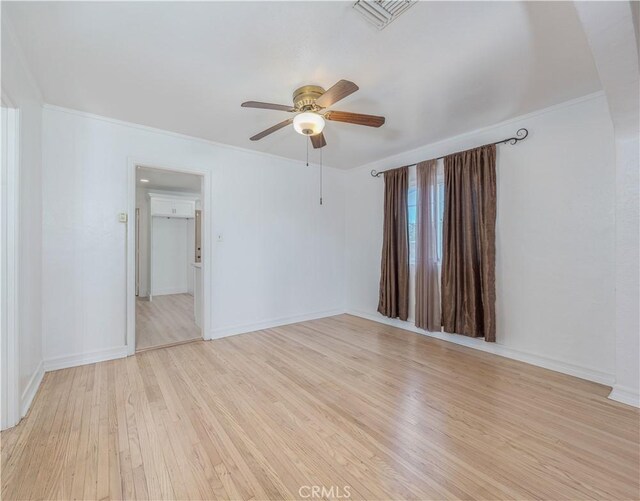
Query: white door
<point x="169" y="256"/>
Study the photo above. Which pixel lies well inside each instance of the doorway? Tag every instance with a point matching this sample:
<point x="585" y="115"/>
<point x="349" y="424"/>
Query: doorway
<point x="168" y="257"/>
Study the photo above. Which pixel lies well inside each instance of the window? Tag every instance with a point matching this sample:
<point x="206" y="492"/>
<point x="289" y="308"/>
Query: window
<point x="411" y="217"/>
<point x="412" y="212"/>
<point x="440" y="205"/>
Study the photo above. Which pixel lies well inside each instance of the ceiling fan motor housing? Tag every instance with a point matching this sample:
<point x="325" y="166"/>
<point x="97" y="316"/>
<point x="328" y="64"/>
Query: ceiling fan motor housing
<point x="304" y="98"/>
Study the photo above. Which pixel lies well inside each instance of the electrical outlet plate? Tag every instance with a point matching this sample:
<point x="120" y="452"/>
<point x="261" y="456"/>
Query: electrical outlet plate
<point x="122" y="217"/>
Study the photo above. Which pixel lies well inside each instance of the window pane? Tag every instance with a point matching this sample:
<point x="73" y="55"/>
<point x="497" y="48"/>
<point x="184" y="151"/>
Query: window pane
<point x="412" y="234"/>
<point x="440" y="203"/>
<point x="412" y="197"/>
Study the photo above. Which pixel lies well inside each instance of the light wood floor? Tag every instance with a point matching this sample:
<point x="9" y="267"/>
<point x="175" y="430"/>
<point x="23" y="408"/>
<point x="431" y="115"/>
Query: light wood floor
<point x="334" y="402"/>
<point x="165" y="320"/>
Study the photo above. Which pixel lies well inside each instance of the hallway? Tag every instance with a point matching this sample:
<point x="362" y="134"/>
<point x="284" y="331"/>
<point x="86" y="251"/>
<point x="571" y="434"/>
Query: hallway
<point x="166" y="320"/>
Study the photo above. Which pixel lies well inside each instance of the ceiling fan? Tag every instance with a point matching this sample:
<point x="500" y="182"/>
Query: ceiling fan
<point x="311" y="103"/>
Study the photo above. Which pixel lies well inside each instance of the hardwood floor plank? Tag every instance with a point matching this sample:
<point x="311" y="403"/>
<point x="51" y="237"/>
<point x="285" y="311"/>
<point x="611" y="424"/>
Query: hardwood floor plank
<point x="165" y="321"/>
<point x="323" y="463"/>
<point x="58" y="483"/>
<point x="330" y="392"/>
<point x="499" y="431"/>
<point x="156" y="474"/>
<point x="116" y="482"/>
<point x="335" y="402"/>
<point x="380" y="449"/>
<point x="212" y="423"/>
<point x="40" y="469"/>
<point x="196" y="467"/>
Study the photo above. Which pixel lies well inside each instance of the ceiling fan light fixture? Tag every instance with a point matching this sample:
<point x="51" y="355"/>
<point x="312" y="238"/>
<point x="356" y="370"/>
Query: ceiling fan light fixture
<point x="308" y="123"/>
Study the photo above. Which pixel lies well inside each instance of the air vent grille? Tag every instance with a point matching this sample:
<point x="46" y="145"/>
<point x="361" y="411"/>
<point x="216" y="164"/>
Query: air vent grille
<point x="381" y="13"/>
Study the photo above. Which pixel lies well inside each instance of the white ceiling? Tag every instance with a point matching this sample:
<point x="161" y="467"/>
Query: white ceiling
<point x="441" y="69"/>
<point x="168" y="180"/>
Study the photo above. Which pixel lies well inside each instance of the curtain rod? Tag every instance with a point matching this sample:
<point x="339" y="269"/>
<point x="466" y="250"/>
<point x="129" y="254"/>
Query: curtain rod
<point x="521" y="135"/>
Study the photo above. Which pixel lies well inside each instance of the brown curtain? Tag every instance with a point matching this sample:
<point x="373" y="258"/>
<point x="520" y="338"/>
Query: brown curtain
<point x="427" y="282"/>
<point x="468" y="261"/>
<point x="394" y="276"/>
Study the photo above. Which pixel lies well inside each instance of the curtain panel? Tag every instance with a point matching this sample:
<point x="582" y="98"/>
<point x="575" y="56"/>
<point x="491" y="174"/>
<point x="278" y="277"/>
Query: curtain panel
<point x="394" y="274"/>
<point x="427" y="280"/>
<point x="468" y="261"/>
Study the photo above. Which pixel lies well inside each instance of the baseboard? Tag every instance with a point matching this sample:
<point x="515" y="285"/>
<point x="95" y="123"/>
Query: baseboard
<point x="625" y="394"/>
<point x="269" y="324"/>
<point x="497" y="349"/>
<point x="30" y="391"/>
<point x="171" y="290"/>
<point x="53" y="364"/>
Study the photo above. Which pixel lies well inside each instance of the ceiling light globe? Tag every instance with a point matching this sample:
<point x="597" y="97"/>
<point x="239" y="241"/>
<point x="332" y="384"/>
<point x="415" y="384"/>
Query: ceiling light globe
<point x="308" y="123"/>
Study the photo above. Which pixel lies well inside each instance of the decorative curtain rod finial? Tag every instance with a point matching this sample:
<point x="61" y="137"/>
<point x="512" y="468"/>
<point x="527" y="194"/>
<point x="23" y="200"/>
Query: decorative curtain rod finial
<point x="521" y="134"/>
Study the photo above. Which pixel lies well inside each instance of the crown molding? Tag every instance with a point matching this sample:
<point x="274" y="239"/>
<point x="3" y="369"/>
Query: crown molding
<point x="178" y="135"/>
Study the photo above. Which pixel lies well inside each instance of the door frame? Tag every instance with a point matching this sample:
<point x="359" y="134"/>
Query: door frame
<point x="207" y="268"/>
<point x="10" y="266"/>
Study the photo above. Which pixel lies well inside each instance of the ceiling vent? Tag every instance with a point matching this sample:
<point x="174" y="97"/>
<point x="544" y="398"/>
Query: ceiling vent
<point x="381" y="13"/>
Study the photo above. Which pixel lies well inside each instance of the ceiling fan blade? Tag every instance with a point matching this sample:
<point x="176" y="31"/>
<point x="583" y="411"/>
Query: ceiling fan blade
<point x="318" y="141"/>
<point x="354" y="118"/>
<point x="339" y="91"/>
<point x="268" y="131"/>
<point x="267" y="106"/>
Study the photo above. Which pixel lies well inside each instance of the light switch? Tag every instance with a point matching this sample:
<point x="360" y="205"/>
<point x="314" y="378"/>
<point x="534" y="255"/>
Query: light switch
<point x="122" y="217"/>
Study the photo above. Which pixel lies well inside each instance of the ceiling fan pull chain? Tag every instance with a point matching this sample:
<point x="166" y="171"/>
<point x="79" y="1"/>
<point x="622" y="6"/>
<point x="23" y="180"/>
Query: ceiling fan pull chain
<point x="320" y="175"/>
<point x="307" y="142"/>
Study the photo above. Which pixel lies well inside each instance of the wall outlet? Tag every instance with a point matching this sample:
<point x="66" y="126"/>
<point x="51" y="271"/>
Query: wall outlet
<point x="122" y="217"/>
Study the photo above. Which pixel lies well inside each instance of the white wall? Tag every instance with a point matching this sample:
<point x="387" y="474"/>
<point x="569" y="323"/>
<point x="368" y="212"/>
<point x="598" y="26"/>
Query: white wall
<point x="142" y="203"/>
<point x="285" y="257"/>
<point x="281" y="258"/>
<point x="612" y="32"/>
<point x="19" y="86"/>
<point x="555" y="238"/>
